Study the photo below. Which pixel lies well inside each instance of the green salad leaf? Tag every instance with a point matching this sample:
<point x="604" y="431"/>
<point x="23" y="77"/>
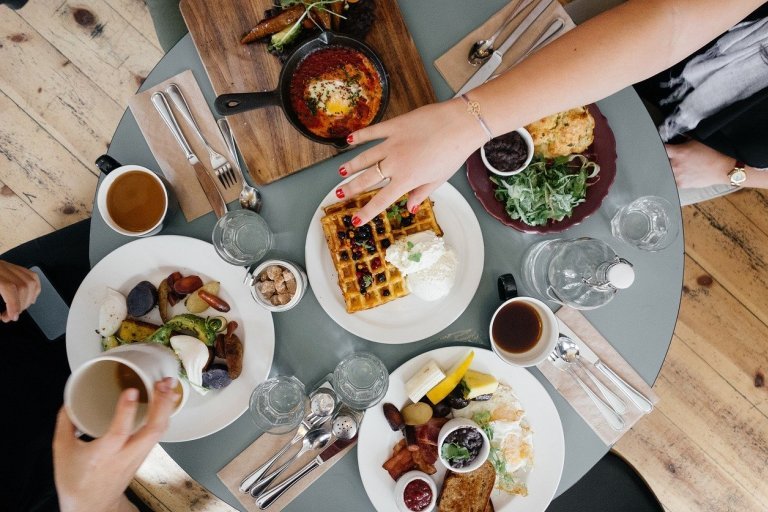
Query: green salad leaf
<point x="547" y="189"/>
<point x="454" y="452"/>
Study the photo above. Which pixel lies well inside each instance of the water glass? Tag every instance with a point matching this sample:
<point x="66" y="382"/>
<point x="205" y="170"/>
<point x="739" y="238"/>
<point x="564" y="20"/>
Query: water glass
<point x="361" y="380"/>
<point x="278" y="404"/>
<point x="646" y="223"/>
<point x="242" y="237"/>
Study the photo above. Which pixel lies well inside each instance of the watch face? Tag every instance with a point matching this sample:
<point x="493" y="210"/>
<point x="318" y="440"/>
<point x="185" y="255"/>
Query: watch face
<point x="738" y="176"/>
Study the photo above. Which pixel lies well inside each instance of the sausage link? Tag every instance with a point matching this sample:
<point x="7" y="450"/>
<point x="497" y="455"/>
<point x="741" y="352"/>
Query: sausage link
<point x="214" y="301"/>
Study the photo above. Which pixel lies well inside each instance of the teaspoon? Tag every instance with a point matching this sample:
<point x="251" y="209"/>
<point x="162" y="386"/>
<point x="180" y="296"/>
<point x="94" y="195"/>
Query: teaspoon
<point x="315" y="439"/>
<point x="482" y="49"/>
<point x="250" y="197"/>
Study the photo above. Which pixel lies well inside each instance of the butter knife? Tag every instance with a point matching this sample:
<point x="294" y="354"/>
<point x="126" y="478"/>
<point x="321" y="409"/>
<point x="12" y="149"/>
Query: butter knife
<point x="269" y="497"/>
<point x="637" y="398"/>
<point x="487" y="69"/>
<point x="206" y="181"/>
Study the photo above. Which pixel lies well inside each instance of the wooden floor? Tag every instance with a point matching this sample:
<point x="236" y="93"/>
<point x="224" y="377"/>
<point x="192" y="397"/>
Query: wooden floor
<point x="67" y="70"/>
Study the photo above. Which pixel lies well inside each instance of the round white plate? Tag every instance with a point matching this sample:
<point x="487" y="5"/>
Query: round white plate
<point x="408" y="318"/>
<point x="153" y="259"/>
<point x="376" y="439"/>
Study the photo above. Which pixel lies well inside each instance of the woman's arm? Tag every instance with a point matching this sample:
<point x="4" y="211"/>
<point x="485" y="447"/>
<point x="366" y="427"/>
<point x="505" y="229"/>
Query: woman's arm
<point x="624" y="45"/>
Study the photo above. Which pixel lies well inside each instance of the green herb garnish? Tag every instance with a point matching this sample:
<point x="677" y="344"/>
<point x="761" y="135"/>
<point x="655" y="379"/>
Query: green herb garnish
<point x="409" y="245"/>
<point x="415" y="256"/>
<point x="506" y="479"/>
<point x="288" y="35"/>
<point x="453" y="452"/>
<point x="367" y="280"/>
<point x="546" y="190"/>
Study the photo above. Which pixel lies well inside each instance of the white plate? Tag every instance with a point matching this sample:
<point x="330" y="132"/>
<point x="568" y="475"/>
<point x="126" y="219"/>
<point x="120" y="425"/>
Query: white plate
<point x="153" y="259"/>
<point x="408" y="318"/>
<point x="377" y="439"/>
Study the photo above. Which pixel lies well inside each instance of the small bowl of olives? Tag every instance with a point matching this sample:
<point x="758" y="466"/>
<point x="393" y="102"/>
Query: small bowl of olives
<point x="463" y="446"/>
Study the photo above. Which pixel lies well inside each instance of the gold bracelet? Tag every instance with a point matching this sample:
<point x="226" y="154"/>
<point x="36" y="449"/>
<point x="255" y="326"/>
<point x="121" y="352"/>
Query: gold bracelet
<point x="473" y="107"/>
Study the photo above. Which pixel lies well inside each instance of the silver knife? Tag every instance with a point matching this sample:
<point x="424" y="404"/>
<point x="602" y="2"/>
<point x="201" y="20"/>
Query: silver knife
<point x="487" y="69"/>
<point x="637" y="398"/>
<point x="269" y="497"/>
<point x="206" y="181"/>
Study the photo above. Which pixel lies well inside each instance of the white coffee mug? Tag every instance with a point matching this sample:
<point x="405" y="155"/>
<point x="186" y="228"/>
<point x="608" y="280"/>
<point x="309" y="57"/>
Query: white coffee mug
<point x="103" y="192"/>
<point x="542" y="347"/>
<point x="92" y="391"/>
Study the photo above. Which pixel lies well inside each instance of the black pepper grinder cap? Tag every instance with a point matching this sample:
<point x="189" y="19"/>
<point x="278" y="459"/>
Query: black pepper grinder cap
<point x="507" y="287"/>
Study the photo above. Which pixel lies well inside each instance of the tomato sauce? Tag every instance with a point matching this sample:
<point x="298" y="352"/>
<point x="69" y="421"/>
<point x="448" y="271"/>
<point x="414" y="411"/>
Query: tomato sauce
<point x="335" y="91"/>
<point x="417" y="495"/>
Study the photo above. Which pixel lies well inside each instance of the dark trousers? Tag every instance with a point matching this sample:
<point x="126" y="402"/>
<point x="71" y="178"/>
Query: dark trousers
<point x="35" y="370"/>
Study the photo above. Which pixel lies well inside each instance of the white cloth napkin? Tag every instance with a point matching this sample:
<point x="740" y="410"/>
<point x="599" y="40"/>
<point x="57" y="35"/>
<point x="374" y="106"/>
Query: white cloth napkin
<point x="577" y="327"/>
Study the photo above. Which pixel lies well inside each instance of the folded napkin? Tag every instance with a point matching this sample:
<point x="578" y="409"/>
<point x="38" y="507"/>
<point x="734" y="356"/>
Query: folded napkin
<point x="453" y="64"/>
<point x="577" y="327"/>
<point x="167" y="151"/>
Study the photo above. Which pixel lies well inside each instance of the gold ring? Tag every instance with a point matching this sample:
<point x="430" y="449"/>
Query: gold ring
<point x="378" y="169"/>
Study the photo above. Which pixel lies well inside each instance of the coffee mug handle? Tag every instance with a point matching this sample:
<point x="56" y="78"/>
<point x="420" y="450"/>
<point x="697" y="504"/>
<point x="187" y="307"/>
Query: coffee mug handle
<point x="107" y="164"/>
<point x="507" y="287"/>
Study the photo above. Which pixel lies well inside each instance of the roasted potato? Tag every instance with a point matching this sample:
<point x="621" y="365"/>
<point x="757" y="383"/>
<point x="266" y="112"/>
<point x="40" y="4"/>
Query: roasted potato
<point x="195" y="304"/>
<point x="135" y="330"/>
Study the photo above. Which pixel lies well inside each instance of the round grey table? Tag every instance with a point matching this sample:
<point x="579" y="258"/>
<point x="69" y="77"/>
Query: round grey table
<point x="639" y="322"/>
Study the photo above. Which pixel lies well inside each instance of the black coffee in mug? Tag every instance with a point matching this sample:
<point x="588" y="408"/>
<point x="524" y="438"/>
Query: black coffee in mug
<point x="517" y="327"/>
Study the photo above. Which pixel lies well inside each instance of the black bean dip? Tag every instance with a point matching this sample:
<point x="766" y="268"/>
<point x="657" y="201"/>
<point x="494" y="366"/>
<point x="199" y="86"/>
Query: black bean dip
<point x="468" y="437"/>
<point x="506" y="153"/>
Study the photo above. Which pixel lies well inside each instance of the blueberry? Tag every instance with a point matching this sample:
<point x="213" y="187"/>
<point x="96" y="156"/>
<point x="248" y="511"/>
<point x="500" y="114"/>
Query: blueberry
<point x="341" y="234"/>
<point x="385" y="243"/>
<point x="343" y="255"/>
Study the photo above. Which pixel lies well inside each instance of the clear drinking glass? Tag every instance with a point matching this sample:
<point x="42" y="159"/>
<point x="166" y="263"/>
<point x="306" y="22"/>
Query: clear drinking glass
<point x="361" y="380"/>
<point x="646" y="223"/>
<point x="278" y="404"/>
<point x="242" y="237"/>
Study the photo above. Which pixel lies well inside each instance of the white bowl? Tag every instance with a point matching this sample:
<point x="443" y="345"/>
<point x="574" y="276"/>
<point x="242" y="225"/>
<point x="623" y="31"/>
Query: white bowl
<point x="529" y="144"/>
<point x="455" y="424"/>
<point x="407" y="478"/>
<point x="301" y="284"/>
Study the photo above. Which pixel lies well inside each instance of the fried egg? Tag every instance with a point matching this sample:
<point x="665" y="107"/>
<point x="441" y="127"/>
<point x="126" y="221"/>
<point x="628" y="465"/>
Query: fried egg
<point x="334" y="97"/>
<point x="512" y="435"/>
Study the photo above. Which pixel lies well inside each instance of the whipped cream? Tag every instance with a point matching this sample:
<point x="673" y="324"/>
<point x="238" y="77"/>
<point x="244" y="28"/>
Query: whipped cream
<point x="429" y="266"/>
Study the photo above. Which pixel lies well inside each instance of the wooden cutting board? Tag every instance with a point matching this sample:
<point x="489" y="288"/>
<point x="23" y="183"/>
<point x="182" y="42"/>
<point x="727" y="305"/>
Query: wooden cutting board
<point x="271" y="146"/>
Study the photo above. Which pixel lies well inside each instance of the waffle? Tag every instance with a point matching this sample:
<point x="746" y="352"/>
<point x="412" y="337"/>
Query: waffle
<point x="366" y="279"/>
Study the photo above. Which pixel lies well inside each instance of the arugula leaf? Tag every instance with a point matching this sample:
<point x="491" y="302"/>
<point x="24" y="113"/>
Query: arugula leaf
<point x="454" y="452"/>
<point x="547" y="189"/>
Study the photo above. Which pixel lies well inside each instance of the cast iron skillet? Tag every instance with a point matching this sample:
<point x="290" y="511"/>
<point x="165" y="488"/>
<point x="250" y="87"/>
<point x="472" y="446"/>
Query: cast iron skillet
<point x="229" y="104"/>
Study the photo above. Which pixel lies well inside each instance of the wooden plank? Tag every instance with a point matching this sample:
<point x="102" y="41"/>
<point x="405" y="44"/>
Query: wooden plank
<point x="264" y="134"/>
<point x="753" y="203"/>
<point x="732" y="249"/>
<point x="57" y="95"/>
<point x="724" y="424"/>
<point x="38" y="169"/>
<point x="136" y="13"/>
<point x="682" y="475"/>
<point x="724" y="334"/>
<point x="160" y="480"/>
<point x="19" y="223"/>
<point x="96" y="39"/>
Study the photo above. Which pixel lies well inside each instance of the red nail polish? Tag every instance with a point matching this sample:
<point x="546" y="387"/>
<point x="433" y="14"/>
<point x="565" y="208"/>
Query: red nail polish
<point x="415" y="209"/>
<point x="350" y="139"/>
<point x="356" y="221"/>
<point x="343" y="171"/>
<point x="339" y="193"/>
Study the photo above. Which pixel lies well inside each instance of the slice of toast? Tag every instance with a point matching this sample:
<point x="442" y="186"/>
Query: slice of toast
<point x="467" y="492"/>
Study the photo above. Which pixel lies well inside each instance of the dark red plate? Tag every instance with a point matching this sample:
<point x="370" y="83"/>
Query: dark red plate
<point x="602" y="151"/>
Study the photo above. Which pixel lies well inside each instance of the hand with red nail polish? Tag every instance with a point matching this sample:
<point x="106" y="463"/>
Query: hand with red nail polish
<point x="339" y="193"/>
<point x="343" y="171"/>
<point x="356" y="221"/>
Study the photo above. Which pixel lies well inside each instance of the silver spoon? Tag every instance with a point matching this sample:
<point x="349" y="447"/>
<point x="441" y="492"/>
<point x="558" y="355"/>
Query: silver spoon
<point x="571" y="350"/>
<point x="615" y="421"/>
<point x="250" y="197"/>
<point x="344" y="428"/>
<point x="314" y="440"/>
<point x="482" y="49"/>
<point x="321" y="406"/>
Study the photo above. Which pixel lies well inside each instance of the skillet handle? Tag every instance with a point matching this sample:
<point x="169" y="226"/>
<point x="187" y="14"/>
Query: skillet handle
<point x="228" y="104"/>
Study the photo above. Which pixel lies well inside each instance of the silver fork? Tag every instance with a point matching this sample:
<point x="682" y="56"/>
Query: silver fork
<point x="615" y="421"/>
<point x="221" y="166"/>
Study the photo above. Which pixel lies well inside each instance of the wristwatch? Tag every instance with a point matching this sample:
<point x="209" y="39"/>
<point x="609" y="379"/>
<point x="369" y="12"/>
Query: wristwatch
<point x="738" y="174"/>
